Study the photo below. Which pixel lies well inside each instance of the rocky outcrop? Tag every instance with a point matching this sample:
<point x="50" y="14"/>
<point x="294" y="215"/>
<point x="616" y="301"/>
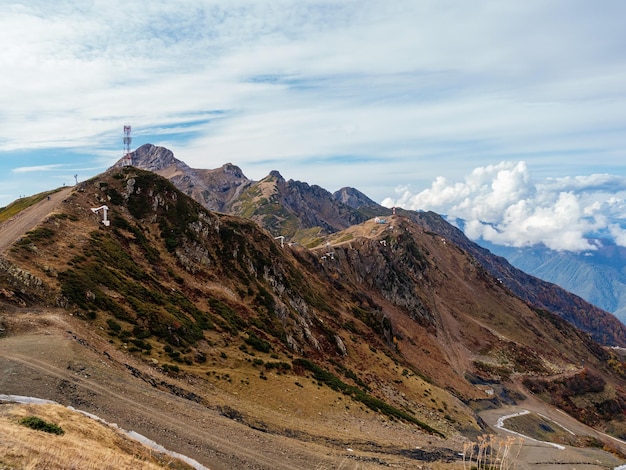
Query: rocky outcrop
<point x="24" y="285"/>
<point x="356" y="199"/>
<point x="156" y="159"/>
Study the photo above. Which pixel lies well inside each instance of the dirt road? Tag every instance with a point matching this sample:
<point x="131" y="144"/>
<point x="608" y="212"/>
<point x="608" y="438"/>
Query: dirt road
<point x="15" y="227"/>
<point x="50" y="362"/>
<point x="537" y="455"/>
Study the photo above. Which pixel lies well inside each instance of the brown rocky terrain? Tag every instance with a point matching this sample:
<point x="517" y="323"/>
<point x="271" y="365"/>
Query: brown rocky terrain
<point x="382" y="346"/>
<point x="306" y="214"/>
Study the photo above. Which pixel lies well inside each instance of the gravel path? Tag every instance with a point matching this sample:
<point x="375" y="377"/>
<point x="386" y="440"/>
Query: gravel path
<point x="15" y="227"/>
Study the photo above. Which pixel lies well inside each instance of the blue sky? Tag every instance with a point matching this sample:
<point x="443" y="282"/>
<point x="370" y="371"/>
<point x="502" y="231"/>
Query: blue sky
<point x="405" y="100"/>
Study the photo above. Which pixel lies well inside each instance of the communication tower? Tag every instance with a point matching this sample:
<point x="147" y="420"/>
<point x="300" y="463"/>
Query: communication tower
<point x="128" y="160"/>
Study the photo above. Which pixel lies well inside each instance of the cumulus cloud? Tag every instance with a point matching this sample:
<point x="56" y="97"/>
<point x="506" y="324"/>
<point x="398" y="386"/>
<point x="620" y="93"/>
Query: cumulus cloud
<point x="504" y="204"/>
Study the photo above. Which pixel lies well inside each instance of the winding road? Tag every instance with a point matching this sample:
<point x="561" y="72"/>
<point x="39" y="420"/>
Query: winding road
<point x="539" y="455"/>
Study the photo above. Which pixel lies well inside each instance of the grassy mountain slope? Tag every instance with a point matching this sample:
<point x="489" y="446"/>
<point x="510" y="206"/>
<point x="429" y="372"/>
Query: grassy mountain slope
<point x="77" y="442"/>
<point x="390" y="320"/>
<point x="293" y="209"/>
<point x="604" y="327"/>
<point x="169" y="278"/>
<point x="306" y="214"/>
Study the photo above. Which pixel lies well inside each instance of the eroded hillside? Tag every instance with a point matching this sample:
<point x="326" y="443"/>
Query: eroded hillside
<point x="388" y="319"/>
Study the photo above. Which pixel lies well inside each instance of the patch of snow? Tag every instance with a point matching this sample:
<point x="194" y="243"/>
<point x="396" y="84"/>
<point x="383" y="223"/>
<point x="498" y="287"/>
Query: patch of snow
<point x="26" y="400"/>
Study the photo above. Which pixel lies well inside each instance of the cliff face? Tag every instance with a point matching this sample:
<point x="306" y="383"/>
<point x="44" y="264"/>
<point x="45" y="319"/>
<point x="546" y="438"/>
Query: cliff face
<point x="156" y="159"/>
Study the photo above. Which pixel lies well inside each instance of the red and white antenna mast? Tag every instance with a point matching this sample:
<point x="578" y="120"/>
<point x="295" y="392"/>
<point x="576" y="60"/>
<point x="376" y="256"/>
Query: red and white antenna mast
<point x="127" y="160"/>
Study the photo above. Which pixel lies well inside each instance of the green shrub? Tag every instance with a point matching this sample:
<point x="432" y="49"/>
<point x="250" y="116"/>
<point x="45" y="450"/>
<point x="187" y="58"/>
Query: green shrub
<point x="36" y="235"/>
<point x="115" y="197"/>
<point x="258" y="343"/>
<point x="39" y="424"/>
<point x="171" y="368"/>
<point x="279" y="366"/>
<point x="141" y="344"/>
<point x="113" y="325"/>
<point x="227" y="313"/>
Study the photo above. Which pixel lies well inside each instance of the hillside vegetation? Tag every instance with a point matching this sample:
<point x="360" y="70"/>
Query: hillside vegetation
<point x="382" y="321"/>
<point x="297" y="212"/>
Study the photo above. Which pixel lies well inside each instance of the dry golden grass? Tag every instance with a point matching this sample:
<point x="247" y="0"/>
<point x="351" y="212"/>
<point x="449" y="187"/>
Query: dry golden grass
<point x="86" y="444"/>
<point x="492" y="452"/>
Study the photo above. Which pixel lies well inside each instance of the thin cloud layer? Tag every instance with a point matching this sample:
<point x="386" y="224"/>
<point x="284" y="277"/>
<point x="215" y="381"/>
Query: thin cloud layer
<point x="505" y="205"/>
<point x="409" y="89"/>
<point x="38" y="168"/>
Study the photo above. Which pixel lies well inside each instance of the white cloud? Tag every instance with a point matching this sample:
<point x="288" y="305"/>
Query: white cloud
<point x="428" y="87"/>
<point x="504" y="205"/>
<point x="30" y="169"/>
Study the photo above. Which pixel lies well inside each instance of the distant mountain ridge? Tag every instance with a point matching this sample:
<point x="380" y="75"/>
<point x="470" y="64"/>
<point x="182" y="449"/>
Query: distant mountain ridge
<point x="293" y="209"/>
<point x="307" y="213"/>
<point x="598" y="276"/>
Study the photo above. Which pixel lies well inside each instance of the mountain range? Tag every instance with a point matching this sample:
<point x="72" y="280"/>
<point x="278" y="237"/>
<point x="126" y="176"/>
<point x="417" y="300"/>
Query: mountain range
<point x="303" y="213"/>
<point x="272" y="324"/>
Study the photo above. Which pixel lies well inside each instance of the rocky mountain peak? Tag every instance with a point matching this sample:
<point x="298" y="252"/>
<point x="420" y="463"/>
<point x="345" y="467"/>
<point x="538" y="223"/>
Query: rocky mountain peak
<point x="275" y="174"/>
<point x="233" y="171"/>
<point x="153" y="158"/>
<point x="353" y="197"/>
